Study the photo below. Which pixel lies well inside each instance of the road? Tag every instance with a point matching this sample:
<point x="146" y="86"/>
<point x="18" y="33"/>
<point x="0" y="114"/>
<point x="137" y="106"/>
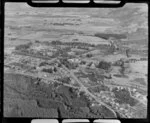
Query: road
<point x="31" y="55"/>
<point x="71" y="73"/>
<point x="83" y="88"/>
<point x="120" y="82"/>
<point x="41" y="77"/>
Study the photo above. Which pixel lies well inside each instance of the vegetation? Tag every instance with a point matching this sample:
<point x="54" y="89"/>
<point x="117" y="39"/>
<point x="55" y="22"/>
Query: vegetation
<point x="56" y="42"/>
<point x="98" y="89"/>
<point x="140" y="81"/>
<point x="50" y="70"/>
<point x="47" y="103"/>
<point x="68" y="64"/>
<point x="29" y="110"/>
<point x="74" y="44"/>
<point x="107" y="36"/>
<point x="43" y="64"/>
<point x="64" y="80"/>
<point x="89" y="55"/>
<point x="23" y="46"/>
<point x="123" y="96"/>
<point x="18" y="82"/>
<point x="71" y="97"/>
<point x="102" y="111"/>
<point x="104" y="65"/>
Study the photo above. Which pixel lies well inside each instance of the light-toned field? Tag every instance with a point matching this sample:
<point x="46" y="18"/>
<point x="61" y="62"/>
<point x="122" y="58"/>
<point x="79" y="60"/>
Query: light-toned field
<point x="31" y="26"/>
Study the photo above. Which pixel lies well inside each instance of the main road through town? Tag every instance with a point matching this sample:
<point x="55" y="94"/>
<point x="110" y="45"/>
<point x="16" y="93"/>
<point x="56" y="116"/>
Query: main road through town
<point x="83" y="88"/>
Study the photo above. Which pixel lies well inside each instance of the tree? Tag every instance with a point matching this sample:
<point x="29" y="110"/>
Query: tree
<point x="56" y="42"/>
<point x="83" y="62"/>
<point x="89" y="55"/>
<point x="127" y="52"/>
<point x="23" y="46"/>
<point x="104" y="65"/>
<point x="64" y="80"/>
<point x="37" y="41"/>
<point x="55" y="69"/>
<point x="123" y="96"/>
<point x="48" y="70"/>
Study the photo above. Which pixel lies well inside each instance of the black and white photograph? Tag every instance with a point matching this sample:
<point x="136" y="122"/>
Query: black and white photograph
<point x="66" y="62"/>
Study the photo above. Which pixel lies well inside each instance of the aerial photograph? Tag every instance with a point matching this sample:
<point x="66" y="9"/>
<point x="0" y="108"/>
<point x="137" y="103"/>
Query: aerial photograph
<point x="75" y="62"/>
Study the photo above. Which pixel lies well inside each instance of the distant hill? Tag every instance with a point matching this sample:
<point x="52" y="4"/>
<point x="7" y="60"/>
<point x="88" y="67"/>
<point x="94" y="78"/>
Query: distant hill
<point x="132" y="18"/>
